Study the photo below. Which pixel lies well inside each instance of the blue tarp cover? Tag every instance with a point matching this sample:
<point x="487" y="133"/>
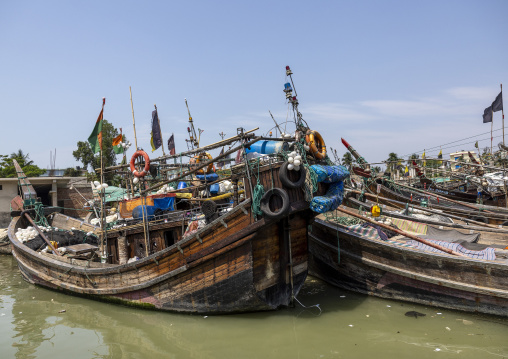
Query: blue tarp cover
<point x="209" y="178"/>
<point x="165" y="204"/>
<point x="330" y="201"/>
<point x="335" y="194"/>
<point x="330" y="174"/>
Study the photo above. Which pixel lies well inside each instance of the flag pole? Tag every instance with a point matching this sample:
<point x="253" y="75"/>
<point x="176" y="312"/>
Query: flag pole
<point x="491" y="127"/>
<point x="133" y="121"/>
<point x="103" y="255"/>
<point x="502" y="111"/>
<point x="160" y="130"/>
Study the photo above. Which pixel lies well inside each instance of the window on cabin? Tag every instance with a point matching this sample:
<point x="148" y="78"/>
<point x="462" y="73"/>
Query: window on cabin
<point x="170" y="238"/>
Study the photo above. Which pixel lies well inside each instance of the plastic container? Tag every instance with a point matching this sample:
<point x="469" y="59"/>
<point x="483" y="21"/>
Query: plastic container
<point x="182" y="184"/>
<point x="214" y="189"/>
<point x="268" y="147"/>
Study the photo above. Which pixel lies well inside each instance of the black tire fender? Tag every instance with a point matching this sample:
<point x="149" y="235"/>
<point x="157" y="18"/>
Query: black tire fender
<point x="284" y="178"/>
<point x="265" y="203"/>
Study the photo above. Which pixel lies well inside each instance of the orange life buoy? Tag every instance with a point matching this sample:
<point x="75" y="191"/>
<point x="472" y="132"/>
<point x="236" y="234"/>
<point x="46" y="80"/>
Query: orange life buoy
<point x="316" y="144"/>
<point x="203" y="156"/>
<point x="147" y="163"/>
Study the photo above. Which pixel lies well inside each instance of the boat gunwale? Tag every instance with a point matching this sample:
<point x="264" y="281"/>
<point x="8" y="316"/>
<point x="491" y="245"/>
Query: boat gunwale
<point x="425" y="278"/>
<point x="342" y="229"/>
<point x="120" y="267"/>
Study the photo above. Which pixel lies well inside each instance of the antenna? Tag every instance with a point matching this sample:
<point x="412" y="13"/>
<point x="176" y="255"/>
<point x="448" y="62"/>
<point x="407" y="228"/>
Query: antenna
<point x="292" y="99"/>
<point x="193" y="138"/>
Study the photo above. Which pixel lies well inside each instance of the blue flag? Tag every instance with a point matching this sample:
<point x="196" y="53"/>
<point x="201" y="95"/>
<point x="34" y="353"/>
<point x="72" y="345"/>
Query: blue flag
<point x="497" y="105"/>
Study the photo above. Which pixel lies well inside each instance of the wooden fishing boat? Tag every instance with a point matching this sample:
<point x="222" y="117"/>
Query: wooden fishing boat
<point x="458" y="192"/>
<point x="246" y="255"/>
<point x="237" y="262"/>
<point x="5" y="245"/>
<point x="405" y="196"/>
<point x="362" y="262"/>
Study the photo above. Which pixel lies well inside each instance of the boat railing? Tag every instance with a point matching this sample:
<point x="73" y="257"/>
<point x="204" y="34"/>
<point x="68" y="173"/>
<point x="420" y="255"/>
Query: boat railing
<point x="167" y="217"/>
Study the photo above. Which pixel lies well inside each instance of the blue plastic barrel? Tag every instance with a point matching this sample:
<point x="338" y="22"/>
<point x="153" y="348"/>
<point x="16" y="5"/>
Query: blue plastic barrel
<point x="182" y="184"/>
<point x="214" y="189"/>
<point x="268" y="147"/>
<point x="137" y="212"/>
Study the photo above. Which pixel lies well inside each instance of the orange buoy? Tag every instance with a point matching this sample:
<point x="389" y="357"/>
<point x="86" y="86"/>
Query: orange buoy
<point x="316" y="144"/>
<point x="135" y="172"/>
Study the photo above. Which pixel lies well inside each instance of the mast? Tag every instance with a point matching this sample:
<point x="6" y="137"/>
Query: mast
<point x="102" y="194"/>
<point x="502" y="111"/>
<point x="361" y="161"/>
<point x="160" y="130"/>
<point x="192" y="131"/>
<point x="133" y="121"/>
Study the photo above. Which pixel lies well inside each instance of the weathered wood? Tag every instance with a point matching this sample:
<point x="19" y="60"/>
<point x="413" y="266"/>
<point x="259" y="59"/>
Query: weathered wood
<point x="493" y="218"/>
<point x="223" y="267"/>
<point x="406" y="234"/>
<point x="387" y="270"/>
<point x="354" y="203"/>
<point x="205" y="164"/>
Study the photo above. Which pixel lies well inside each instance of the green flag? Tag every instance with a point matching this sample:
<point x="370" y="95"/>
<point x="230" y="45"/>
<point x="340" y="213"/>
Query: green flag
<point x="95" y="138"/>
<point x="117" y="144"/>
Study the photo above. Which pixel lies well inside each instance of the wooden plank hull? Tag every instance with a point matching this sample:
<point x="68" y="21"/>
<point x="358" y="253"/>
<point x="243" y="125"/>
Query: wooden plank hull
<point x="234" y="264"/>
<point x="390" y="271"/>
<point x="5" y="248"/>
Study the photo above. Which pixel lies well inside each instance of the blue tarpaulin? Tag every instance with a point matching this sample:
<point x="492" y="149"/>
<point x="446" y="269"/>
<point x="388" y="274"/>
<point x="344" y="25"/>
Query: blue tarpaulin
<point x="209" y="178"/>
<point x="165" y="203"/>
<point x="335" y="194"/>
<point x="330" y="174"/>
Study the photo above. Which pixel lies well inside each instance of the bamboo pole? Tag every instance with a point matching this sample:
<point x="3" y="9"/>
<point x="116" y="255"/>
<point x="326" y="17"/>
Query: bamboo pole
<point x="428" y="210"/>
<point x="102" y="194"/>
<point x="145" y="218"/>
<point x="197" y="150"/>
<point x="442" y="197"/>
<point x="396" y="230"/>
<point x="133" y="123"/>
<point x="502" y="111"/>
<point x="205" y="164"/>
<point x="48" y="242"/>
<point x="491" y="229"/>
<point x="491" y="129"/>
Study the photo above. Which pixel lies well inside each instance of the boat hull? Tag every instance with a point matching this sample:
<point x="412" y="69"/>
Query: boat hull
<point x="389" y="271"/>
<point x="235" y="264"/>
<point x="5" y="248"/>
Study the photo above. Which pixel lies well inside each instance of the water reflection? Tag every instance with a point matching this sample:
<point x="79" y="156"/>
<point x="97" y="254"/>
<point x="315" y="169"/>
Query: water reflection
<point x="350" y="325"/>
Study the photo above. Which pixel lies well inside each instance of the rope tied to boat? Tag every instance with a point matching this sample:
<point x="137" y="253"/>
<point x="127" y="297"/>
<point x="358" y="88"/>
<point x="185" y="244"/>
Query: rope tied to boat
<point x="40" y="220"/>
<point x="310" y="186"/>
<point x="258" y="191"/>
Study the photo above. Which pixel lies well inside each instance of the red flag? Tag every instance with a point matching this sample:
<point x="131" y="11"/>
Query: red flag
<point x="171" y="145"/>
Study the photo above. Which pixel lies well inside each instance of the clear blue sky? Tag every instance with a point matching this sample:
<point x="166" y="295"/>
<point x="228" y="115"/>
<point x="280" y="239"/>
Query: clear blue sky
<point x="388" y="76"/>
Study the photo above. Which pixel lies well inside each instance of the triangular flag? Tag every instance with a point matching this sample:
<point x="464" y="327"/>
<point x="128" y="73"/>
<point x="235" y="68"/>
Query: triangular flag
<point x="95" y="138"/>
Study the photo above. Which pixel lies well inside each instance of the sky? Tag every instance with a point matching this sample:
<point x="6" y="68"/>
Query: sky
<point x="388" y="76"/>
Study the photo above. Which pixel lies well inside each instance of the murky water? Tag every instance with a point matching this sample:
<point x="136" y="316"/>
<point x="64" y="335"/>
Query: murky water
<point x="348" y="326"/>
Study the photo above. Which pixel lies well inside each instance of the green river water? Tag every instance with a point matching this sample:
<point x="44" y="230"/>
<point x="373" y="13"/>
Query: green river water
<point x="348" y="326"/>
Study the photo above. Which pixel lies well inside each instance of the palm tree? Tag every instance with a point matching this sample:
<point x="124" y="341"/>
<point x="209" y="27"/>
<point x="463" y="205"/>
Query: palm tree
<point x="392" y="160"/>
<point x="21" y="158"/>
<point x="347" y="160"/>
